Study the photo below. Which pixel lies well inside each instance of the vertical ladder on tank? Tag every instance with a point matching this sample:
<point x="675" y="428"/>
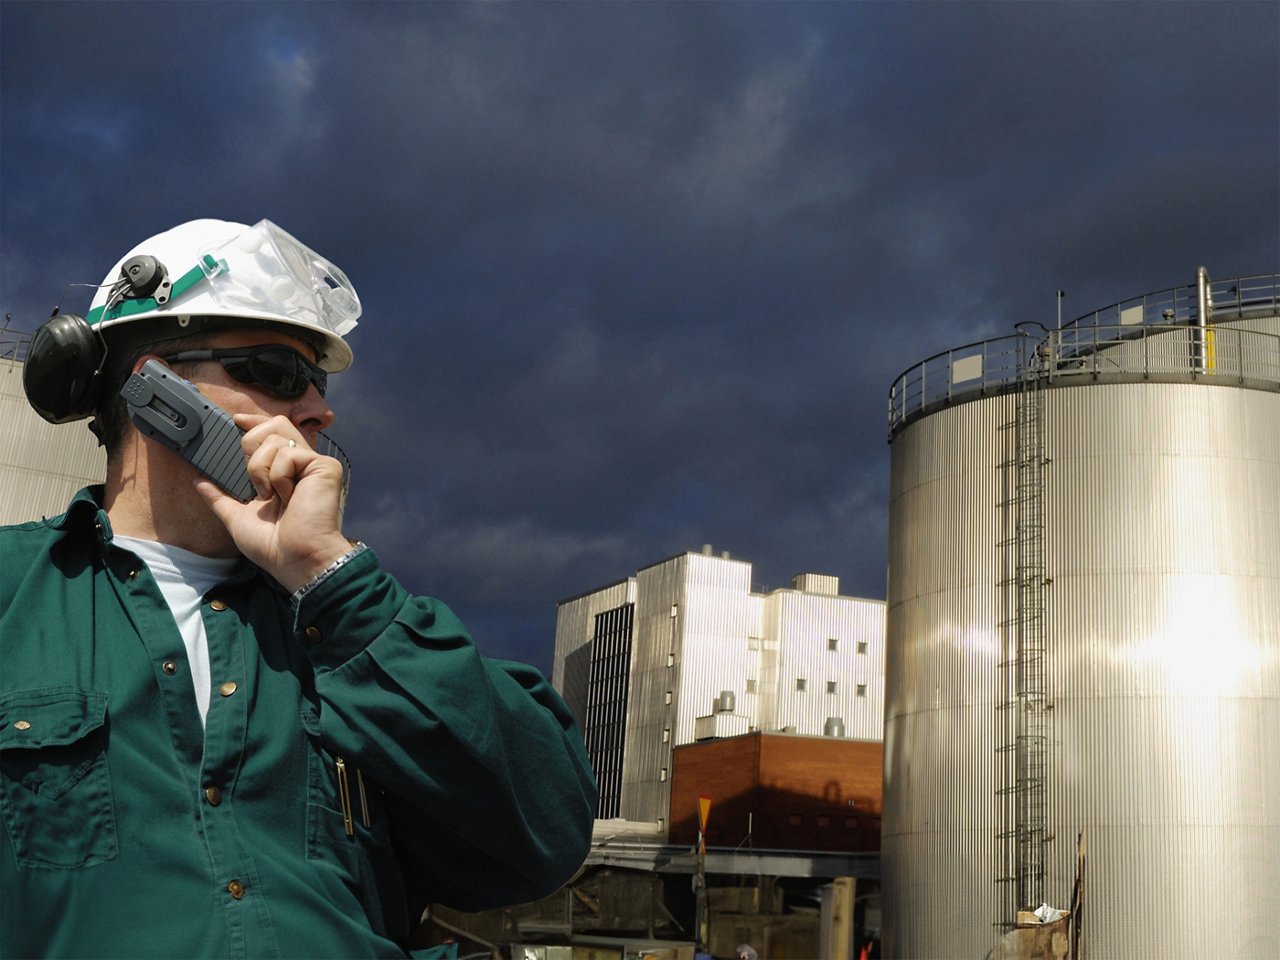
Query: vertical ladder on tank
<point x="1024" y="736"/>
<point x="1031" y="735"/>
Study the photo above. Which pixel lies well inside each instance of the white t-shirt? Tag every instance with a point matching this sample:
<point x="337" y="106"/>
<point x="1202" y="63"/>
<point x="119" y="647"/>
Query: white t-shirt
<point x="184" y="578"/>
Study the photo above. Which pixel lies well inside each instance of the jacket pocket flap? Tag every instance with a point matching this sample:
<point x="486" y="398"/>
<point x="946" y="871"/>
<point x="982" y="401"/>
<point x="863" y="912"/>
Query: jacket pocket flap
<point x="50" y="716"/>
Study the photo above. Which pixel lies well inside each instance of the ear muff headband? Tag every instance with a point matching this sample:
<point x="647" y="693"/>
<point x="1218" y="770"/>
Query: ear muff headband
<point x="62" y="375"/>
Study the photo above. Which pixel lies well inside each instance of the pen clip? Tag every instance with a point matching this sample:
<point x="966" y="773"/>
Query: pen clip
<point x="344" y="795"/>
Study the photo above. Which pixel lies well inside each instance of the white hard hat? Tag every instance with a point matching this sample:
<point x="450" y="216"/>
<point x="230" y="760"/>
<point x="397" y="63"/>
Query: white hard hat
<point x="214" y="268"/>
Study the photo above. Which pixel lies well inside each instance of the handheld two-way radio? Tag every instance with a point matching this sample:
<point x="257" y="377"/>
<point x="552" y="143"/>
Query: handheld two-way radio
<point x="172" y="411"/>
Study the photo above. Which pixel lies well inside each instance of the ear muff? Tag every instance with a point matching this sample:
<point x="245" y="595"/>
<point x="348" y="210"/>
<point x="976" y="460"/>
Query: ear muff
<point x="63" y="371"/>
<point x="62" y="374"/>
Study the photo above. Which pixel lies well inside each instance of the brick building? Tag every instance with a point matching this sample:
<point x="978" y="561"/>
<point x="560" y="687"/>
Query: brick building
<point x="781" y="792"/>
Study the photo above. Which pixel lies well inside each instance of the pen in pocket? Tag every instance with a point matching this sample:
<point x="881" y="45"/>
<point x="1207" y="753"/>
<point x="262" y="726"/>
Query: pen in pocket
<point x="344" y="796"/>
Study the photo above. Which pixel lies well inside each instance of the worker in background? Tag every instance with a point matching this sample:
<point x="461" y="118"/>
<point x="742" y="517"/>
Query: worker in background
<point x="226" y="730"/>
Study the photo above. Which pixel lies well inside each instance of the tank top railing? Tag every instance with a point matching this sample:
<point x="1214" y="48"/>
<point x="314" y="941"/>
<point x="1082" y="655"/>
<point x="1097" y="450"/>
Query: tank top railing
<point x="1157" y="336"/>
<point x="1230" y="299"/>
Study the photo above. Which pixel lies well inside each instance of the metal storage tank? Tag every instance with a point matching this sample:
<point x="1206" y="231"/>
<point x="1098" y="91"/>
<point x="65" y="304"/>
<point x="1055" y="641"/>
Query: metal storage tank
<point x="1083" y="632"/>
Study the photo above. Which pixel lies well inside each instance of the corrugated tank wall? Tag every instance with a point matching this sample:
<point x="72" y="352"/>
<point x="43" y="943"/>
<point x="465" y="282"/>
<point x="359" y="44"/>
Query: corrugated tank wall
<point x="1162" y="625"/>
<point x="42" y="464"/>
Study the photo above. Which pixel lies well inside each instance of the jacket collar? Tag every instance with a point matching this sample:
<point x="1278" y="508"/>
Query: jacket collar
<point x="85" y="515"/>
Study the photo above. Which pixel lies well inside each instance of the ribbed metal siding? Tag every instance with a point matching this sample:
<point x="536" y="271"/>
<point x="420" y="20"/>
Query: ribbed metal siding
<point x="651" y="705"/>
<point x="803" y="624"/>
<point x="715" y="623"/>
<point x="1163" y="535"/>
<point x="42" y="465"/>
<point x="575" y="624"/>
<point x="940" y="858"/>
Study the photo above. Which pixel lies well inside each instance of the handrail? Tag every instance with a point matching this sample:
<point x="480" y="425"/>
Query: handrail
<point x="1222" y="353"/>
<point x="13" y="344"/>
<point x="1155" y="335"/>
<point x="1232" y="298"/>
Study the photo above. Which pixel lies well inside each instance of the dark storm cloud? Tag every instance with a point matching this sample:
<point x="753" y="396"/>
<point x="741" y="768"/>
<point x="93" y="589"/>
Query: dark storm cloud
<point x="638" y="276"/>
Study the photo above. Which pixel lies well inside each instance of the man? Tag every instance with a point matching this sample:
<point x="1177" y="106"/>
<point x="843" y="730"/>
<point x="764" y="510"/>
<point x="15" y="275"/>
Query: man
<point x="224" y="729"/>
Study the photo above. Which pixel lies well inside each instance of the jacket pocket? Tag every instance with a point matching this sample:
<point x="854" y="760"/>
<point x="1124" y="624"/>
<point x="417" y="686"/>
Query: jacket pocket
<point x="347" y="828"/>
<point x="55" y="788"/>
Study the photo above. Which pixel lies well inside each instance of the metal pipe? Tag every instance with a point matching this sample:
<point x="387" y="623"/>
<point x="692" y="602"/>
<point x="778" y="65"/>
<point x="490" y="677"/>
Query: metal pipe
<point x="1203" y="306"/>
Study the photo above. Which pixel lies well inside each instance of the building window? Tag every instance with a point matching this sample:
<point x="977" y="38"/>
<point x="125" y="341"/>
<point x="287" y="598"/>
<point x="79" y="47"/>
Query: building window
<point x="751" y="685"/>
<point x="666" y="734"/>
<point x="831" y="686"/>
<point x="793" y="819"/>
<point x="801" y="683"/>
<point x="833" y="643"/>
<point x="667" y="698"/>
<point x="662" y="775"/>
<point x="862" y="646"/>
<point x="862" y="690"/>
<point x="671" y="659"/>
<point x="824" y="821"/>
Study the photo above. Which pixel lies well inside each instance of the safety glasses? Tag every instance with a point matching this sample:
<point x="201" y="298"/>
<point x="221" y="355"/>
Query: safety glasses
<point x="276" y="368"/>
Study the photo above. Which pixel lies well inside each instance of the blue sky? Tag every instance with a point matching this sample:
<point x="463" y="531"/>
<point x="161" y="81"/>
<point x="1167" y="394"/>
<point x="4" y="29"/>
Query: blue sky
<point x="638" y="276"/>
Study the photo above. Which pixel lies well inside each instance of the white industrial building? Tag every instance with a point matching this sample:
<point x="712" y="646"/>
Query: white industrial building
<point x="686" y="650"/>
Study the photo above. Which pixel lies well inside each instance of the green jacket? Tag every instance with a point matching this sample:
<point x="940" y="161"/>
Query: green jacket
<point x="360" y="760"/>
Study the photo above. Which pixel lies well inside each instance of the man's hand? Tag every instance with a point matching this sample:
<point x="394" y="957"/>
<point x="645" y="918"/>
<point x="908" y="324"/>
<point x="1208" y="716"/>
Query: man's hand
<point x="293" y="528"/>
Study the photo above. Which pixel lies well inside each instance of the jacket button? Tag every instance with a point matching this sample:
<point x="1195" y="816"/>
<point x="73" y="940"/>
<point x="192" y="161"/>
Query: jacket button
<point x="313" y="634"/>
<point x="228" y="688"/>
<point x="213" y="795"/>
<point x="169" y="667"/>
<point x="236" y="889"/>
<point x="218" y="605"/>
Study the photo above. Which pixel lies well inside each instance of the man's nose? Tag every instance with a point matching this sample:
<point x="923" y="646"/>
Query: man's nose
<point x="312" y="411"/>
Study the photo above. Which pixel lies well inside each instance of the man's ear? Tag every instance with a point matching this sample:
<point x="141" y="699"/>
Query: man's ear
<point x="138" y="364"/>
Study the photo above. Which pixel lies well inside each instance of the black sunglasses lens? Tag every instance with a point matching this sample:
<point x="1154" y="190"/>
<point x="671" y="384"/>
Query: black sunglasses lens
<point x="286" y="373"/>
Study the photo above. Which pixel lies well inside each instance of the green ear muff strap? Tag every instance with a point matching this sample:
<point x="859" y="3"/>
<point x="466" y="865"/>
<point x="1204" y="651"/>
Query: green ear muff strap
<point x="208" y="267"/>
